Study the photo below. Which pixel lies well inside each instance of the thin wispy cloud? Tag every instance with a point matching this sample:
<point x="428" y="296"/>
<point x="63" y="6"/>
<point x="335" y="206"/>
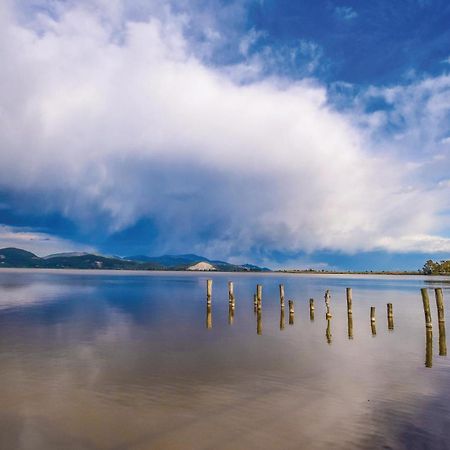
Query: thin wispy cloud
<point x="345" y="13"/>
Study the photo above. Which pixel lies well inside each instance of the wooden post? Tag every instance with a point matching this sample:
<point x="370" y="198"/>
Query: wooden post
<point x="259" y="292"/>
<point x="282" y="295"/>
<point x="208" y="317"/>
<point x="230" y="314"/>
<point x="327" y="304"/>
<point x="258" y="305"/>
<point x="429" y="348"/>
<point x="291" y="312"/>
<point x="442" y="340"/>
<point x="390" y="316"/>
<point x="327" y="297"/>
<point x="208" y="291"/>
<point x="350" y="325"/>
<point x="255" y="301"/>
<point x="349" y="300"/>
<point x="373" y="321"/>
<point x="230" y="292"/>
<point x="259" y="322"/>
<point x="281" y="318"/>
<point x="328" y="332"/>
<point x="291" y="307"/>
<point x="426" y="307"/>
<point x="311" y="309"/>
<point x="440" y="304"/>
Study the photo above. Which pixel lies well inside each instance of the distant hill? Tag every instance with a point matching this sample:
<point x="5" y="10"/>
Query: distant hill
<point x="18" y="258"/>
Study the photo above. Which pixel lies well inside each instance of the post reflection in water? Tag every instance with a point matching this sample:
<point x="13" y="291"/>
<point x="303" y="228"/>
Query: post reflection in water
<point x="282" y="319"/>
<point x="429" y="348"/>
<point x="373" y="327"/>
<point x="328" y="332"/>
<point x="208" y="317"/>
<point x="442" y="340"/>
<point x="259" y="322"/>
<point x="230" y="314"/>
<point x="350" y="325"/>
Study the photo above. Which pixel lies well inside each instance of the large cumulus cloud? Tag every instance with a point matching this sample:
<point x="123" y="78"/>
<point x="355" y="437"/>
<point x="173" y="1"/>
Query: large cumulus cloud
<point x="108" y="119"/>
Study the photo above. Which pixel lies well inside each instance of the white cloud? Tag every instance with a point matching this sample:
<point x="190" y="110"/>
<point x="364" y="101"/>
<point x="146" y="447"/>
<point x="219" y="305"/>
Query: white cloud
<point x="420" y="243"/>
<point x="41" y="244"/>
<point x="345" y="12"/>
<point x="118" y="129"/>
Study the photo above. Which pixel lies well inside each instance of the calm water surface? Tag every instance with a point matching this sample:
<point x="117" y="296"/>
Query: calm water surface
<point x="112" y="360"/>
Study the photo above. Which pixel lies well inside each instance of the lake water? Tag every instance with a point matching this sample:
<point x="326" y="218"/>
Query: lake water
<point x="112" y="360"/>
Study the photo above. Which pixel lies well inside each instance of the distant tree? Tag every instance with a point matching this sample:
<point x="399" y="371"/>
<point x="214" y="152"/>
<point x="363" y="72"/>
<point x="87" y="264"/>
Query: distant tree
<point x="436" y="268"/>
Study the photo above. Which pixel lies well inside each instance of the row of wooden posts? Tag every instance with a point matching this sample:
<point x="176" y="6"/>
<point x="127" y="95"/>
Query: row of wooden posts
<point x="257" y="303"/>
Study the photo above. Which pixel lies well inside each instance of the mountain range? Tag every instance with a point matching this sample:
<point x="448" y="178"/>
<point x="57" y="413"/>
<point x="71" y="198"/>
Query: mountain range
<point x="19" y="258"/>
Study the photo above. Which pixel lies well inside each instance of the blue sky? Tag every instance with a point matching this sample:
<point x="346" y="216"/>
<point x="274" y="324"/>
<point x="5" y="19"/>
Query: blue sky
<point x="289" y="134"/>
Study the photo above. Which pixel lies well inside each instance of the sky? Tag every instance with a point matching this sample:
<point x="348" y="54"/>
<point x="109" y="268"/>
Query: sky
<point x="287" y="134"/>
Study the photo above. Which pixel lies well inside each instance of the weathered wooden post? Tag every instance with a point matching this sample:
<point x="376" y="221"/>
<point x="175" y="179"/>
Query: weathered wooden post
<point x="429" y="348"/>
<point x="311" y="309"/>
<point x="230" y="314"/>
<point x="327" y="297"/>
<point x="259" y="292"/>
<point x="426" y="307"/>
<point x="230" y="292"/>
<point x="259" y="306"/>
<point x="350" y="325"/>
<point x="259" y="322"/>
<point x="281" y="318"/>
<point x="291" y="312"/>
<point x="440" y="304"/>
<point x="327" y="304"/>
<point x="390" y="316"/>
<point x="349" y="300"/>
<point x="373" y="321"/>
<point x="328" y="332"/>
<point x="442" y="340"/>
<point x="281" y="295"/>
<point x="208" y="317"/>
<point x="208" y="291"/>
<point x="255" y="302"/>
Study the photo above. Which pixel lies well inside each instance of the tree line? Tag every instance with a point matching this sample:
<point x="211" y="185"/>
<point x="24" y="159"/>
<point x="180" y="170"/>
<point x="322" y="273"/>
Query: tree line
<point x="436" y="268"/>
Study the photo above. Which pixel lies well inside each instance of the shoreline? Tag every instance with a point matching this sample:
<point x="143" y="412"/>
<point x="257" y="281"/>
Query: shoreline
<point x="140" y="272"/>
